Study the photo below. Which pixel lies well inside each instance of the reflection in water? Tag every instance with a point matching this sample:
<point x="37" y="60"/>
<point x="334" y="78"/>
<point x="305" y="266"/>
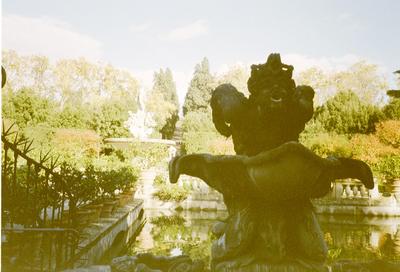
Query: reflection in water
<point x="173" y="233"/>
<point x="362" y="238"/>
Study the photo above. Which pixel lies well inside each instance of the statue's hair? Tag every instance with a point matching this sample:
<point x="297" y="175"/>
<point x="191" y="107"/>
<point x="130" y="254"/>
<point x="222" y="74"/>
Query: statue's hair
<point x="271" y="73"/>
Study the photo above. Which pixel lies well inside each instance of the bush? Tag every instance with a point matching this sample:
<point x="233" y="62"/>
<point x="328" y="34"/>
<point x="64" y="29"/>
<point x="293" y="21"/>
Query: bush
<point x="388" y="132"/>
<point x="167" y="192"/>
<point x="392" y="110"/>
<point x="389" y="167"/>
<point x="370" y="149"/>
<point x="76" y="144"/>
<point x="325" y="144"/>
<point x="99" y="178"/>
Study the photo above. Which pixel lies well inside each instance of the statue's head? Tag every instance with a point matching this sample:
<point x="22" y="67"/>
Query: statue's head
<point x="271" y="84"/>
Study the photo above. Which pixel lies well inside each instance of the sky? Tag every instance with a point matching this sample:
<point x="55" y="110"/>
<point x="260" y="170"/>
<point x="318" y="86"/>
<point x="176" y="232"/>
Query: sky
<point x="144" y="36"/>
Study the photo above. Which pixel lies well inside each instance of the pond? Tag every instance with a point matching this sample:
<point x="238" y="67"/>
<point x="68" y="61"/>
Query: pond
<point x="350" y="238"/>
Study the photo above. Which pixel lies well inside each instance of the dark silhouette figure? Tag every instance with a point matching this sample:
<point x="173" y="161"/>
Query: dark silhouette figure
<point x="268" y="185"/>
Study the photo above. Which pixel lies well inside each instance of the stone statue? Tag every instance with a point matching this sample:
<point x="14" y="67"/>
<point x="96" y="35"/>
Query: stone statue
<point x="268" y="185"/>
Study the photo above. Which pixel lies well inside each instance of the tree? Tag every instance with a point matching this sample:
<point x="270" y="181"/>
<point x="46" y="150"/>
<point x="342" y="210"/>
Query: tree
<point x="319" y="81"/>
<point x="200" y="89"/>
<point x="237" y="76"/>
<point x="108" y="120"/>
<point x="163" y="103"/>
<point x="27" y="108"/>
<point x="345" y="113"/>
<point x="362" y="78"/>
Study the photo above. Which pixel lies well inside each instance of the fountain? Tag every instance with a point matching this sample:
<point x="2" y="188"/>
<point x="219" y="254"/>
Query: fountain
<point x="268" y="186"/>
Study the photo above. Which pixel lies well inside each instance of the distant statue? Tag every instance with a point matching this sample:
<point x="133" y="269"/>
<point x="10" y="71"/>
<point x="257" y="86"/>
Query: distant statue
<point x="268" y="185"/>
<point x="171" y="152"/>
<point x="141" y="123"/>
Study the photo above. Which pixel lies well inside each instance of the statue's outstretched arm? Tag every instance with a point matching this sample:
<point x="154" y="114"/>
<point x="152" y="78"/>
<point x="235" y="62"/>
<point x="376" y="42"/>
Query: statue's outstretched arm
<point x="288" y="171"/>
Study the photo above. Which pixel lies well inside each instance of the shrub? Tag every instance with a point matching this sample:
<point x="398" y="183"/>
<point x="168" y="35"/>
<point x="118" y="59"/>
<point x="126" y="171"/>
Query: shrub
<point x="392" y="110"/>
<point x="167" y="192"/>
<point x="159" y="180"/>
<point x="325" y="144"/>
<point x="76" y="143"/>
<point x="389" y="167"/>
<point x="370" y="149"/>
<point x="388" y="132"/>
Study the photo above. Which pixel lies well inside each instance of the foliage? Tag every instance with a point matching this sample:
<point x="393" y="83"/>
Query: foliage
<point x="109" y="120"/>
<point x="345" y="113"/>
<point x="159" y="180"/>
<point x="27" y="108"/>
<point x="237" y="76"/>
<point x="362" y="78"/>
<point x="42" y="134"/>
<point x="147" y="154"/>
<point x="169" y="192"/>
<point x="200" y="136"/>
<point x="389" y="167"/>
<point x="76" y="144"/>
<point x="388" y="132"/>
<point x="200" y="88"/>
<point x="73" y="117"/>
<point x="163" y="102"/>
<point x="370" y="149"/>
<point x="171" y="232"/>
<point x="198" y="121"/>
<point x="221" y="146"/>
<point x="325" y="144"/>
<point x="70" y="93"/>
<point x="392" y="109"/>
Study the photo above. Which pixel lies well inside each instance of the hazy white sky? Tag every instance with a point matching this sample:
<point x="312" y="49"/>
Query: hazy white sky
<point x="143" y="36"/>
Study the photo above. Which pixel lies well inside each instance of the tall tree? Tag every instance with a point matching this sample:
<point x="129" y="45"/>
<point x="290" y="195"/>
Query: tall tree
<point x="163" y="102"/>
<point x="237" y="76"/>
<point x="362" y="78"/>
<point x="200" y="88"/>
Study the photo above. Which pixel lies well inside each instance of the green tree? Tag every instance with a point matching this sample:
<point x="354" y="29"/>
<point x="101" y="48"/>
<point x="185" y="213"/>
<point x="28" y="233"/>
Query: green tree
<point x="320" y="81"/>
<point x="200" y="89"/>
<point x="27" y="108"/>
<point x="163" y="102"/>
<point x="73" y="117"/>
<point x="362" y="78"/>
<point x="237" y="76"/>
<point x="108" y="120"/>
<point x="345" y="113"/>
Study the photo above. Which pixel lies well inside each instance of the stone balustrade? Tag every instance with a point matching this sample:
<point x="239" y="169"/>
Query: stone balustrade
<point x="353" y="189"/>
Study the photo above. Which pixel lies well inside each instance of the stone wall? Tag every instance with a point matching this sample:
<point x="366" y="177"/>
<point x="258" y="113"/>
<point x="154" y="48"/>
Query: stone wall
<point x="99" y="237"/>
